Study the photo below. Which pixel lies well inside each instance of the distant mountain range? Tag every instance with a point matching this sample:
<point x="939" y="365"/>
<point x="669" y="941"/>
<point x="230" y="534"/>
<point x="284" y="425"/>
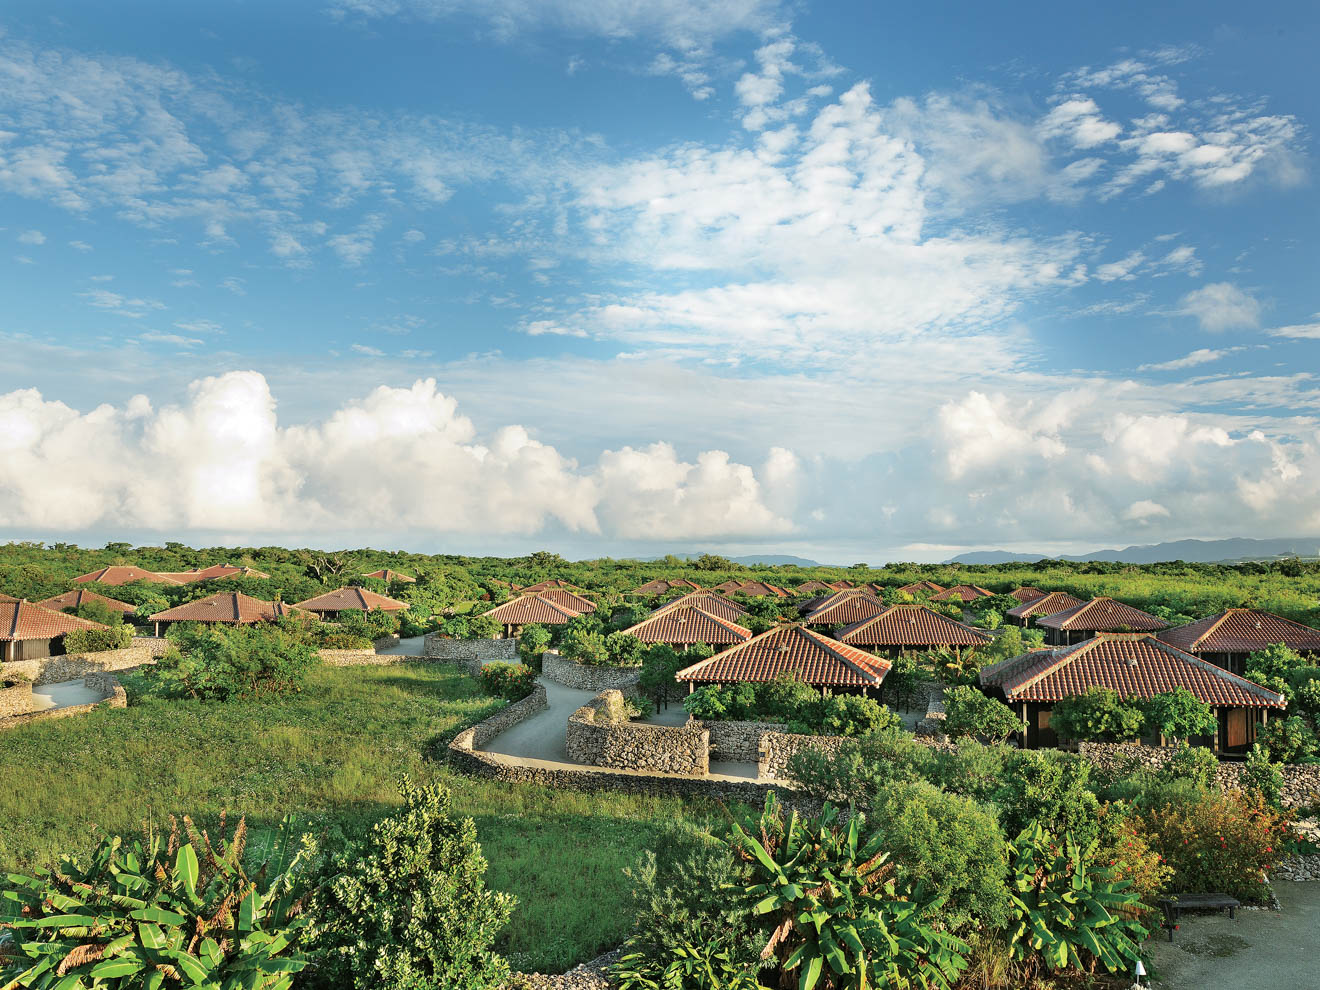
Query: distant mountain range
<point x="753" y="560"/>
<point x="1192" y="551"/>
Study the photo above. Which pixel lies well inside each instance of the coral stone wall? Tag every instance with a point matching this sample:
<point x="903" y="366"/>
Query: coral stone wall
<point x="52" y="670"/>
<point x="778" y="747"/>
<point x="440" y="647"/>
<point x="584" y="677"/>
<point x="739" y="742"/>
<point x="16" y="699"/>
<point x="157" y="645"/>
<point x="600" y="735"/>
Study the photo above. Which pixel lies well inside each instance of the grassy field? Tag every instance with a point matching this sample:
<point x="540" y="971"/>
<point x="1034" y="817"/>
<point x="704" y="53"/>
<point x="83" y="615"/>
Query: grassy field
<point x="330" y="755"/>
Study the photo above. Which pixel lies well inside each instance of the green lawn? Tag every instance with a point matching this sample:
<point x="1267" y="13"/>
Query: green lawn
<point x="330" y="755"/>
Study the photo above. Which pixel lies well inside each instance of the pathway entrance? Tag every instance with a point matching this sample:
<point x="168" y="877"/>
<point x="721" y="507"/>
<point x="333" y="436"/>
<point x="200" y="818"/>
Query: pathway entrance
<point x="62" y="694"/>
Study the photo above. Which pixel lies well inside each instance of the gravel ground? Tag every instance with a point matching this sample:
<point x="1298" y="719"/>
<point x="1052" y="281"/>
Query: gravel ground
<point x="588" y="976"/>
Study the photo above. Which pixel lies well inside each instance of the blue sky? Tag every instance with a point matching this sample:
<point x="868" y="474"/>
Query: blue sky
<point x="613" y="277"/>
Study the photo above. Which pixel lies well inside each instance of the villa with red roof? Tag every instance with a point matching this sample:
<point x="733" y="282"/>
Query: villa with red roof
<point x="961" y="593"/>
<point x="843" y="608"/>
<point x="569" y="599"/>
<point x="71" y="600"/>
<point x="922" y="588"/>
<point x="688" y="625"/>
<point x="1098" y="615"/>
<point x="708" y="601"/>
<point x="329" y="605"/>
<point x="795" y="650"/>
<point x="226" y="608"/>
<point x="752" y="589"/>
<point x="1026" y="594"/>
<point x="1137" y="666"/>
<point x="213" y="573"/>
<point x="533" y="589"/>
<point x="526" y="610"/>
<point x="29" y="631"/>
<point x="1227" y="638"/>
<point x="1038" y="608"/>
<point x="118" y="574"/>
<point x="662" y="586"/>
<point x="390" y="577"/>
<point x="912" y="627"/>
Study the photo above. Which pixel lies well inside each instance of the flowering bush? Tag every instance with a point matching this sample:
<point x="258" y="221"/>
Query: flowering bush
<point x="1219" y="842"/>
<point x="512" y="681"/>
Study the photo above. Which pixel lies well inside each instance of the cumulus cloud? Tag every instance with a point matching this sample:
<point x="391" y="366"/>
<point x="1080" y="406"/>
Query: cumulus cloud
<point x="402" y="459"/>
<point x="1219" y="306"/>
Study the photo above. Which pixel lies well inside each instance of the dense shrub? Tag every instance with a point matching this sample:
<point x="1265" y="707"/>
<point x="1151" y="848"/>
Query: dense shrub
<point x="1193" y="763"/>
<point x="659" y="666"/>
<point x="856" y="771"/>
<point x="1219" y="842"/>
<point x="410" y="908"/>
<point x="1178" y="714"/>
<point x="140" y="911"/>
<point x="1288" y="740"/>
<point x="1049" y="788"/>
<point x="804" y="709"/>
<point x="844" y="715"/>
<point x="511" y="681"/>
<point x="624" y="650"/>
<point x="95" y="640"/>
<point x="96" y="611"/>
<point x="533" y="641"/>
<point x="1262" y="777"/>
<point x="1098" y="715"/>
<point x="969" y="712"/>
<point x="218" y="662"/>
<point x="1122" y="844"/>
<point x="373" y="623"/>
<point x="950" y="846"/>
<point x="583" y="645"/>
<point x="952" y="667"/>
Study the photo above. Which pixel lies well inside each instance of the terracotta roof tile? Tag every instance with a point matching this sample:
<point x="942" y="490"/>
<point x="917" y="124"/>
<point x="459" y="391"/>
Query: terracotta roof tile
<point x="21" y="620"/>
<point x="566" y="598"/>
<point x="1055" y="601"/>
<point x="227" y="606"/>
<point x="708" y="601"/>
<point x="962" y="593"/>
<point x="922" y="588"/>
<point x="662" y="586"/>
<point x="81" y="596"/>
<point x="912" y="625"/>
<point x="689" y="624"/>
<point x="122" y="574"/>
<point x="845" y="608"/>
<point x="1026" y="594"/>
<point x="387" y="575"/>
<point x="1136" y="665"/>
<point x="807" y="586"/>
<point x="815" y="659"/>
<point x="1102" y="615"/>
<point x="532" y="589"/>
<point x="351" y="599"/>
<point x="526" y="609"/>
<point x="753" y="589"/>
<point x="1242" y="630"/>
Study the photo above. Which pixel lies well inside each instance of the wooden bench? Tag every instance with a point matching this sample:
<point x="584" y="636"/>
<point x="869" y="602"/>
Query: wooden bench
<point x="1175" y="906"/>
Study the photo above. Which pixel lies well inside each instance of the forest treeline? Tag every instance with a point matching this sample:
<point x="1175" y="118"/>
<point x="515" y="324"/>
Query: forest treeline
<point x="445" y="581"/>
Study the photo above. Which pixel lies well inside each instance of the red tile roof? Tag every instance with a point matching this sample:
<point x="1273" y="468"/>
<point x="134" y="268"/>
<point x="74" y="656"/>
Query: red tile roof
<point x="661" y="586"/>
<point x="227" y="606"/>
<point x="21" y="620"/>
<point x="531" y="608"/>
<point x="912" y="624"/>
<point x="387" y="575"/>
<point x="922" y="588"/>
<point x="123" y="574"/>
<point x="813" y="658"/>
<point x="1055" y="601"/>
<point x="213" y="572"/>
<point x="813" y="585"/>
<point x="1136" y="665"/>
<point x="709" y="601"/>
<point x="753" y="589"/>
<point x="8" y="598"/>
<point x="844" y="608"/>
<point x="689" y="624"/>
<point x="81" y="596"/>
<point x="1242" y="630"/>
<point x="532" y="589"/>
<point x="1102" y="615"/>
<point x="1026" y="594"/>
<point x="351" y="599"/>
<point x="566" y="598"/>
<point x="961" y="592"/>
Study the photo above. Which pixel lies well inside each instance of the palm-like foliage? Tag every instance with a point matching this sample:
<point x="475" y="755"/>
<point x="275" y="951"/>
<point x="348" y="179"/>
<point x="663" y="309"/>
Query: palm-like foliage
<point x="1069" y="912"/>
<point x="837" y="919"/>
<point x="170" y="910"/>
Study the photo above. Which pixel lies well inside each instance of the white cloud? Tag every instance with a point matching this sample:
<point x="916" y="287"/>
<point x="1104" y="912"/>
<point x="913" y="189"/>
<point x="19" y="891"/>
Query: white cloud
<point x="366" y="350"/>
<point x="1202" y="355"/>
<point x="32" y="237"/>
<point x="1124" y="269"/>
<point x="198" y="326"/>
<point x="80" y="246"/>
<point x="120" y="305"/>
<point x="1144" y="511"/>
<point x="1079" y="121"/>
<point x="153" y="337"/>
<point x="1221" y="306"/>
<point x="405" y="456"/>
<point x="1298" y="331"/>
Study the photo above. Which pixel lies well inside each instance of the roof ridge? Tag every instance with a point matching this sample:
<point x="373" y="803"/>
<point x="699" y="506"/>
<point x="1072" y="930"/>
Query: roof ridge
<point x="830" y="644"/>
<point x="1223" y="617"/>
<point x="1251" y="687"/>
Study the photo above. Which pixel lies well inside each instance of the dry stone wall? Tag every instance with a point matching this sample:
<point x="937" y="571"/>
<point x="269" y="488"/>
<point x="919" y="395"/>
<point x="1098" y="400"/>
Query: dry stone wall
<point x="739" y="742"/>
<point x="600" y="735"/>
<point x="52" y="670"/>
<point x="157" y="645"/>
<point x="585" y="677"/>
<point x="107" y="684"/>
<point x="439" y="647"/>
<point x="778" y="747"/>
<point x="15" y="700"/>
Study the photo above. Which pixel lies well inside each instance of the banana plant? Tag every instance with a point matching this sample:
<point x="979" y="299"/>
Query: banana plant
<point x="835" y="916"/>
<point x="1068" y="910"/>
<point x="172" y="910"/>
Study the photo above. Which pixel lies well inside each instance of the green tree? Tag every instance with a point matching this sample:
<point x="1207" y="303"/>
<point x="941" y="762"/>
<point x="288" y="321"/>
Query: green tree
<point x="1288" y="740"/>
<point x="1178" y="714"/>
<point x="969" y="712"/>
<point x="1098" y="715"/>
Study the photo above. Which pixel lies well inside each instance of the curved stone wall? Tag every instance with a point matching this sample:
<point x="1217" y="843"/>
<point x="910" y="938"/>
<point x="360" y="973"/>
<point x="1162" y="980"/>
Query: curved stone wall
<point x="584" y="677"/>
<point x="600" y="735"/>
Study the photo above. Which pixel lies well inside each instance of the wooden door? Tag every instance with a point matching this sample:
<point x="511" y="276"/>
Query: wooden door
<point x="1237" y="728"/>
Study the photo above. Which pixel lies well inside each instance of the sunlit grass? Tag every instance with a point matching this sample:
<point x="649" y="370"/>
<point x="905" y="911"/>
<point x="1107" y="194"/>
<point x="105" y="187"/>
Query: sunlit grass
<point x="330" y="756"/>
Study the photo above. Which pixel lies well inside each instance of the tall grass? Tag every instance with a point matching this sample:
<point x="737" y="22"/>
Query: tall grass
<point x="330" y="755"/>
